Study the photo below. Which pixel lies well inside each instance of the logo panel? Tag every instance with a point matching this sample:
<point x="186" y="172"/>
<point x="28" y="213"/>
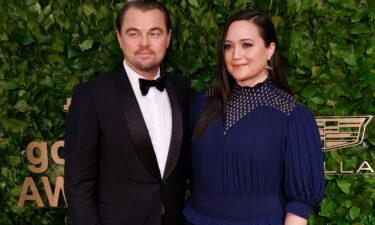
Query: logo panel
<point x="341" y="131"/>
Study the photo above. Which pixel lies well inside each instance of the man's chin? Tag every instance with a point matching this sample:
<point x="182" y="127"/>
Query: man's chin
<point x="148" y="67"/>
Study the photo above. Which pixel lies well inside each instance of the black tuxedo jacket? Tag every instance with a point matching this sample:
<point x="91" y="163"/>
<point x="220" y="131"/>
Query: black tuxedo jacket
<point x="111" y="172"/>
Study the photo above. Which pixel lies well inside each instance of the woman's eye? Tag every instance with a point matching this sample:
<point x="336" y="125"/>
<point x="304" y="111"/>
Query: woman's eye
<point x="227" y="46"/>
<point x="247" y="45"/>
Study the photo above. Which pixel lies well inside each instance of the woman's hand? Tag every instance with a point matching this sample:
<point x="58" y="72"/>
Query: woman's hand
<point x="291" y="219"/>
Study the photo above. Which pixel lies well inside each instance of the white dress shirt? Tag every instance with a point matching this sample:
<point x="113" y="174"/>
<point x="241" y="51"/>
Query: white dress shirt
<point x="157" y="113"/>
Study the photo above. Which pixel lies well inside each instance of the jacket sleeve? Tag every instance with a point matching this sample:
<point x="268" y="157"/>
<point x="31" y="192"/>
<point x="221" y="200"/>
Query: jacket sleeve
<point x="81" y="153"/>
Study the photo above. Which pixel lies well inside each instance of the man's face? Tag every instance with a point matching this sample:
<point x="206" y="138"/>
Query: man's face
<point x="144" y="39"/>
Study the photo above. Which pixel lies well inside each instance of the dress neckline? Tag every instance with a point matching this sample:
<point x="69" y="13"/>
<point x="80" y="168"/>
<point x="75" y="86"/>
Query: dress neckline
<point x="267" y="81"/>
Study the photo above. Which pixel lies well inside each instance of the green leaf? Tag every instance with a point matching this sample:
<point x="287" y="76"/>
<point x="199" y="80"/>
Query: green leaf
<point x="14" y="160"/>
<point x="354" y="212"/>
<point x="349" y="4"/>
<point x="4" y="172"/>
<point x="14" y="125"/>
<point x="35" y="8"/>
<point x="10" y="85"/>
<point x="16" y="191"/>
<point x="21" y="35"/>
<point x="333" y="90"/>
<point x="47" y="81"/>
<point x="360" y="28"/>
<point x="4" y="37"/>
<point x="317" y="100"/>
<point x="334" y="49"/>
<point x="350" y="58"/>
<point x="277" y="21"/>
<point x="328" y="208"/>
<point x="72" y="53"/>
<point x="4" y="142"/>
<point x="22" y="106"/>
<point x="310" y="91"/>
<point x="88" y="9"/>
<point x="359" y="14"/>
<point x="86" y="45"/>
<point x="194" y="3"/>
<point x="344" y="185"/>
<point x="183" y="4"/>
<point x="49" y="21"/>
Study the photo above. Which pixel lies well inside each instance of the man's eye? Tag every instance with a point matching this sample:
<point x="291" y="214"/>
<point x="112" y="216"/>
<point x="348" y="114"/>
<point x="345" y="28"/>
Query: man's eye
<point x="155" y="34"/>
<point x="134" y="34"/>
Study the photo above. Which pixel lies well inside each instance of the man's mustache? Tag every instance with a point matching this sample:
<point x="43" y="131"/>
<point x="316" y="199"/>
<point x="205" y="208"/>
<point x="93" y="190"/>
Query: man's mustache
<point x="143" y="50"/>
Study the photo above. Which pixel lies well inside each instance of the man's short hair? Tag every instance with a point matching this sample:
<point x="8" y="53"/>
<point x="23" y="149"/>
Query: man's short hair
<point x="143" y="5"/>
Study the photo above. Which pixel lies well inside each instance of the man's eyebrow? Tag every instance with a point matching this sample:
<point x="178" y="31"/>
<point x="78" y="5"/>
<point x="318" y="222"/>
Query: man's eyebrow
<point x="157" y="29"/>
<point x="131" y="30"/>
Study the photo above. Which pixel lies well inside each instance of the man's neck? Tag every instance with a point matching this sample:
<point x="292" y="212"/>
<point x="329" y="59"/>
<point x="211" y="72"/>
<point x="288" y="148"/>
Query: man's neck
<point x="148" y="75"/>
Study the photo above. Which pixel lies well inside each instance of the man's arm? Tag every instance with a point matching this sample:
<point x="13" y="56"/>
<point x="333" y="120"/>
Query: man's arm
<point x="81" y="150"/>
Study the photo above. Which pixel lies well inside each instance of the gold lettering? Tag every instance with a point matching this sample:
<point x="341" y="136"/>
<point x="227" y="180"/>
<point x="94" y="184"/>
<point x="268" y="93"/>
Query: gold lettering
<point x="34" y="196"/>
<point x="327" y="171"/>
<point x="41" y="160"/>
<point x="54" y="152"/>
<point x="53" y="198"/>
<point x="363" y="168"/>
<point x="344" y="171"/>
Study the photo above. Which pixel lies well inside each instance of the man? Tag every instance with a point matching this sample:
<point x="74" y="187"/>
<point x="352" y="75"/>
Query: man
<point x="125" y="134"/>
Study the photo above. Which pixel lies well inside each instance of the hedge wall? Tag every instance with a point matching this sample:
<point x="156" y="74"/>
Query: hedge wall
<point x="49" y="46"/>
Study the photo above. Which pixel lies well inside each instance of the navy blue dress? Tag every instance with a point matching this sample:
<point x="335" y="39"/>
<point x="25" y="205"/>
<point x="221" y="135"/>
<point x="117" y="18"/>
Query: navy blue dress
<point x="257" y="162"/>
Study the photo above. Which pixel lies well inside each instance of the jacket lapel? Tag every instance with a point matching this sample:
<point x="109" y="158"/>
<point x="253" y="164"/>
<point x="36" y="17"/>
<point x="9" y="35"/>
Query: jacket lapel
<point x="136" y="124"/>
<point x="177" y="130"/>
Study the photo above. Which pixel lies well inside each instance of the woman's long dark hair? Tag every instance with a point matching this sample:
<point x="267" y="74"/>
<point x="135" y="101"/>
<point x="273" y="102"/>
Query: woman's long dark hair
<point x="224" y="81"/>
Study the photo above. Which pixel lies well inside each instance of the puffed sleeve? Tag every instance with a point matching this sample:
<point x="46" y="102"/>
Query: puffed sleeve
<point x="304" y="168"/>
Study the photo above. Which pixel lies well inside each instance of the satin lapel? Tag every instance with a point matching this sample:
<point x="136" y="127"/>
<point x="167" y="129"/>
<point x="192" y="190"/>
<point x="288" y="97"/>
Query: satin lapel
<point x="177" y="130"/>
<point x="136" y="124"/>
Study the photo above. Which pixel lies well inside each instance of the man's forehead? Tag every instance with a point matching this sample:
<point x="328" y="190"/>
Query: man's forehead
<point x="138" y="18"/>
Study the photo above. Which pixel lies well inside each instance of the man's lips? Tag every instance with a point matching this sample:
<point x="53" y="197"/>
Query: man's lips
<point x="144" y="54"/>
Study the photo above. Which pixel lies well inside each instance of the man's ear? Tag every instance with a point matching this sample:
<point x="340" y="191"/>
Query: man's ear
<point x="118" y="35"/>
<point x="169" y="37"/>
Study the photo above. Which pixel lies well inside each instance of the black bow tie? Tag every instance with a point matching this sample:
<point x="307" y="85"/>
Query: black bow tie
<point x="146" y="84"/>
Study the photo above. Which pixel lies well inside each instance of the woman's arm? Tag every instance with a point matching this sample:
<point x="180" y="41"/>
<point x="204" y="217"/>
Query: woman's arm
<point x="291" y="219"/>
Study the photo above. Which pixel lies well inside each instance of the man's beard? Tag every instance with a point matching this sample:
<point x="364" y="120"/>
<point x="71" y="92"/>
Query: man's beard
<point x="146" y="67"/>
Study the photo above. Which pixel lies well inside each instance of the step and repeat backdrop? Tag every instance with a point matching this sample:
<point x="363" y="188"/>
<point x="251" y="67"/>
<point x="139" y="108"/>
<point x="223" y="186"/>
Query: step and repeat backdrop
<point x="48" y="47"/>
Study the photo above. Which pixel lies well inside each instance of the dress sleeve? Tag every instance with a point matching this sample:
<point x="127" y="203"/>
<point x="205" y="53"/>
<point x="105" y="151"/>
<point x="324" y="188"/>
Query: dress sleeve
<point x="304" y="168"/>
<point x="197" y="106"/>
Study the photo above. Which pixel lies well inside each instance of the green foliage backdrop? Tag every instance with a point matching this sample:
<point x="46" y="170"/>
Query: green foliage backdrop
<point x="49" y="46"/>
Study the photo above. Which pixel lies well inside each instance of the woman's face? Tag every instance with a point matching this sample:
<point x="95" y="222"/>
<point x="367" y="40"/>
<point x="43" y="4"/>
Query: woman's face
<point x="246" y="54"/>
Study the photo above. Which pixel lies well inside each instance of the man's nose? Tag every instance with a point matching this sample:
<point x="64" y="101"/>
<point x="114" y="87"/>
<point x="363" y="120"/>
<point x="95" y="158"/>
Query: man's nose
<point x="144" y="41"/>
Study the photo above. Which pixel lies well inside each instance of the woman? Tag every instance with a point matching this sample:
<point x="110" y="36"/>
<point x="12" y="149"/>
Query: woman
<point x="256" y="151"/>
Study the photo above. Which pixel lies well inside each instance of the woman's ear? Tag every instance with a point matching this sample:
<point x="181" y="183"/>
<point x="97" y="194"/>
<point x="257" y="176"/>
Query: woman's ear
<point x="271" y="49"/>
